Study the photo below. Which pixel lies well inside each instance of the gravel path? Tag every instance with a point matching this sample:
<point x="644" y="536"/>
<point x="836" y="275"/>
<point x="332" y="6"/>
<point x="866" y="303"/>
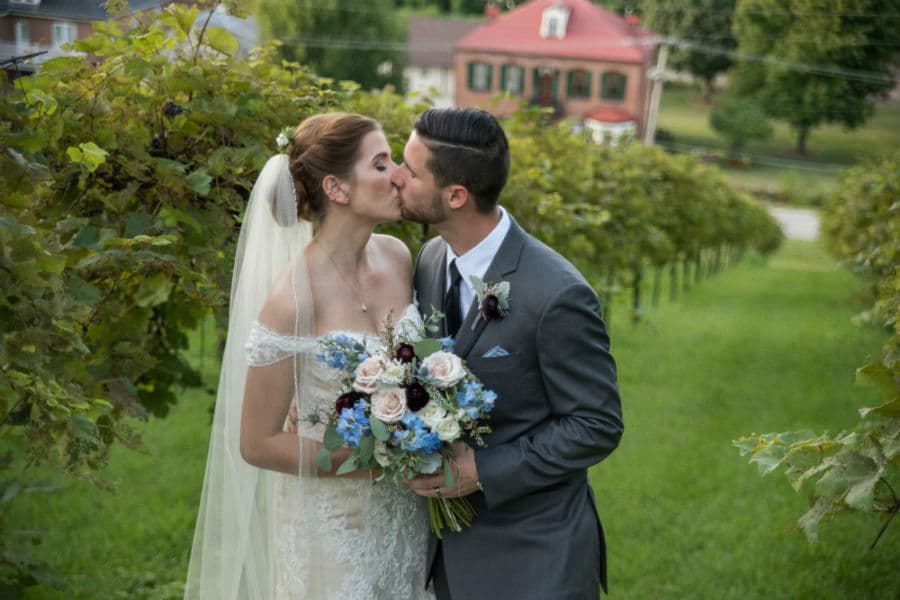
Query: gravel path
<point x="797" y="223"/>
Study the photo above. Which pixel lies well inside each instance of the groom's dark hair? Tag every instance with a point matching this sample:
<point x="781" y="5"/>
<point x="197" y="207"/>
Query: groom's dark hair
<point x="468" y="148"/>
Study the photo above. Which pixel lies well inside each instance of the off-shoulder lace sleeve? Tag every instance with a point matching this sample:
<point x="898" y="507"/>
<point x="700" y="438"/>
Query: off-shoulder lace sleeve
<point x="266" y="347"/>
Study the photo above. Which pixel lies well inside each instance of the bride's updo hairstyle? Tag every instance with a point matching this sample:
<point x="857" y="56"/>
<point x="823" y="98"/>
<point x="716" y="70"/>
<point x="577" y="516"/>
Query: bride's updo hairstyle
<point x="323" y="145"/>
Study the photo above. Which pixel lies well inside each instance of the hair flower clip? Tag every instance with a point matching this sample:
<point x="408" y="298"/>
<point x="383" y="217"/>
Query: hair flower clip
<point x="284" y="139"/>
<point x="493" y="300"/>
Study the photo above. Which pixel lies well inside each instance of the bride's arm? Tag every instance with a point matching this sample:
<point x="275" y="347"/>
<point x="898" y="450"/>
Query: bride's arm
<point x="268" y="393"/>
<point x="264" y="444"/>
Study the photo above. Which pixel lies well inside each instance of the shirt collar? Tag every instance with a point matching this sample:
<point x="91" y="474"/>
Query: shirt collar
<point x="477" y="260"/>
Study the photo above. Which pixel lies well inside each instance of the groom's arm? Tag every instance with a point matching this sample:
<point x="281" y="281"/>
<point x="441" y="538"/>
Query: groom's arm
<point x="579" y="377"/>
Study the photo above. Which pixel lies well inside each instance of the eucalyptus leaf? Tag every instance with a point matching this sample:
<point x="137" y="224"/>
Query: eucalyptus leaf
<point x="379" y="429"/>
<point x="323" y="460"/>
<point x="366" y="449"/>
<point x="426" y="347"/>
<point x="332" y="440"/>
<point x="348" y="466"/>
<point x="449" y="479"/>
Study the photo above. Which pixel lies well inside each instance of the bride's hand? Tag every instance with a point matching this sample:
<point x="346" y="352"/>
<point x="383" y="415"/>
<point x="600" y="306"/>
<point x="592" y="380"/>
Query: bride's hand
<point x="290" y="424"/>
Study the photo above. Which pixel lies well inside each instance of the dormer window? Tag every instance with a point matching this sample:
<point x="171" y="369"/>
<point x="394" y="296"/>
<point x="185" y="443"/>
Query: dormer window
<point x="554" y="21"/>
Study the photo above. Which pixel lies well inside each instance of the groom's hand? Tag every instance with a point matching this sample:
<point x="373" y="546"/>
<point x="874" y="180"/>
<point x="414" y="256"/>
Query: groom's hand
<point x="465" y="473"/>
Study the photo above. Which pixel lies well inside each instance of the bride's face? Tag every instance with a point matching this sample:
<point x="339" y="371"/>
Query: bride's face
<point x="372" y="193"/>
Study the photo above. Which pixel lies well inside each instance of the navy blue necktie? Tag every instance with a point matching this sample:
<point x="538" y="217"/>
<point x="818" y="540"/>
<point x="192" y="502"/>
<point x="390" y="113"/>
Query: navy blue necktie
<point x="452" y="307"/>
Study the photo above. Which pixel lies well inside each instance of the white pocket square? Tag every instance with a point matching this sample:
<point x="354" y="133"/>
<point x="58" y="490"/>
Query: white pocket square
<point x="495" y="352"/>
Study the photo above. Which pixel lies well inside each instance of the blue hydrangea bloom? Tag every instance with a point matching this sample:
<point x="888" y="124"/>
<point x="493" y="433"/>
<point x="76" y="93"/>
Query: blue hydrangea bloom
<point x="340" y="351"/>
<point x="448" y="343"/>
<point x="475" y="400"/>
<point x="416" y="436"/>
<point x="353" y="423"/>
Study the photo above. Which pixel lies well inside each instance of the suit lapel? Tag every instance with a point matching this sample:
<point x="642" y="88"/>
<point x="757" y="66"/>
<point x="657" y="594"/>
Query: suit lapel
<point x="505" y="262"/>
<point x="431" y="295"/>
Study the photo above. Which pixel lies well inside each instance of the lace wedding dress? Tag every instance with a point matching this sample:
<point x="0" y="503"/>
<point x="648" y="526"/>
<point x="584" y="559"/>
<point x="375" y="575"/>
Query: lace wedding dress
<point x="261" y="535"/>
<point x="336" y="537"/>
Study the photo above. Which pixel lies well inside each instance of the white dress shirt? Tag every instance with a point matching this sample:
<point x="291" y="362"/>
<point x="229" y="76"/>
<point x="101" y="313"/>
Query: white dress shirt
<point x="476" y="261"/>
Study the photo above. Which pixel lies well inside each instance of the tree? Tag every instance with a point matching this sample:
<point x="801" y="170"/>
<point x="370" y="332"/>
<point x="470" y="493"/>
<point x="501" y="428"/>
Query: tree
<point x="340" y="39"/>
<point x="811" y="65"/>
<point x="706" y="22"/>
<point x="740" y="121"/>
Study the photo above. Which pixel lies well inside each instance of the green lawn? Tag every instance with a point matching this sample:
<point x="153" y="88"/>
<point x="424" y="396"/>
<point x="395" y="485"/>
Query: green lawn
<point x="759" y="348"/>
<point x="684" y="114"/>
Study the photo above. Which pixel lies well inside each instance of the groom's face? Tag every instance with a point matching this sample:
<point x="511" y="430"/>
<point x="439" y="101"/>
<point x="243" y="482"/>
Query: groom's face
<point x="420" y="198"/>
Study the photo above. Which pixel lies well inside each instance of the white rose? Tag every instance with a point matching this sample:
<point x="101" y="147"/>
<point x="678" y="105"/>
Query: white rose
<point x="367" y="374"/>
<point x="389" y="404"/>
<point x="447" y="430"/>
<point x="394" y="374"/>
<point x="445" y="368"/>
<point x="432" y="414"/>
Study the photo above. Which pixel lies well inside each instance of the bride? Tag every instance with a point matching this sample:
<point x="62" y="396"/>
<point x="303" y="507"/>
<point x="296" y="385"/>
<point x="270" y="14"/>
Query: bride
<point x="282" y="528"/>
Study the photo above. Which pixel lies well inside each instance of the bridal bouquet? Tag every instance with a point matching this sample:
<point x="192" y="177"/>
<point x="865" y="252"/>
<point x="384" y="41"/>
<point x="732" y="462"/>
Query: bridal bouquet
<point x="401" y="406"/>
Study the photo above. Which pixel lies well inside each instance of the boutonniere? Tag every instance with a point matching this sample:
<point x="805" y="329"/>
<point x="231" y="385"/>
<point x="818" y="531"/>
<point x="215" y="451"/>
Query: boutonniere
<point x="493" y="300"/>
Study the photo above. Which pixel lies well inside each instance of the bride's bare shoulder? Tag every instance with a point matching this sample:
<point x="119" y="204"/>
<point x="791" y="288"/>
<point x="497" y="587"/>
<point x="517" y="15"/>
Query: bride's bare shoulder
<point x="279" y="313"/>
<point x="394" y="250"/>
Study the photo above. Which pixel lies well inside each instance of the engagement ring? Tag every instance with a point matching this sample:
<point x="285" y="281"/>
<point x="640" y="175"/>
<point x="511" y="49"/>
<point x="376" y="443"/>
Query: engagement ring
<point x="437" y="492"/>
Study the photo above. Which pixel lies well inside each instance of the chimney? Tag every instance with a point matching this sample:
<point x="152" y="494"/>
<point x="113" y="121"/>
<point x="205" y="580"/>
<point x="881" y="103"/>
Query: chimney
<point x="491" y="11"/>
<point x="633" y="21"/>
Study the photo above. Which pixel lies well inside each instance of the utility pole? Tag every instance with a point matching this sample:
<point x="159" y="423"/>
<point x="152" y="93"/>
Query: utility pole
<point x="657" y="75"/>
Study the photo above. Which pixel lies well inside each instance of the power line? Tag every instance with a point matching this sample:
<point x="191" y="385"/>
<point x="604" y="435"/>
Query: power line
<point x="827" y="70"/>
<point x="762" y="159"/>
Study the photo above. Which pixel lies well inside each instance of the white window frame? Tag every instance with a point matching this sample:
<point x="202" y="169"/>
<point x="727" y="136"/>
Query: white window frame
<point x="481" y="77"/>
<point x="23" y="34"/>
<point x="554" y="21"/>
<point x="514" y="80"/>
<point x="64" y="32"/>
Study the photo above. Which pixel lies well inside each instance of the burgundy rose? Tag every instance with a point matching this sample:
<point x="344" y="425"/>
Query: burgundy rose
<point x="491" y="308"/>
<point x="405" y="353"/>
<point x="416" y="396"/>
<point x="347" y="400"/>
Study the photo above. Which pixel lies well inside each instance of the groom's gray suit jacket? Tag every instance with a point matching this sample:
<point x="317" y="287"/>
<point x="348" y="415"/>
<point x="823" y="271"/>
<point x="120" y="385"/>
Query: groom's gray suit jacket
<point x="537" y="534"/>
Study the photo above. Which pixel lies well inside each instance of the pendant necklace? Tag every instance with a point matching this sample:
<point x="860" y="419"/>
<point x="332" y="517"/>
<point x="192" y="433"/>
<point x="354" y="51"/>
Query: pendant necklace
<point x="354" y="288"/>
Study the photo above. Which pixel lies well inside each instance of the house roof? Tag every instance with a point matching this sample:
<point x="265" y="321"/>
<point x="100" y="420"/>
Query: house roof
<point x="431" y="39"/>
<point x="610" y="114"/>
<point x="592" y="33"/>
<point x="70" y="10"/>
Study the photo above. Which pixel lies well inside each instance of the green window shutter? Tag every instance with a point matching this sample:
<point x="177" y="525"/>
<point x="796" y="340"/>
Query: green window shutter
<point x="555" y="90"/>
<point x="471" y="71"/>
<point x="504" y="69"/>
<point x="569" y="79"/>
<point x="614" y="93"/>
<point x="490" y="75"/>
<point x="587" y="84"/>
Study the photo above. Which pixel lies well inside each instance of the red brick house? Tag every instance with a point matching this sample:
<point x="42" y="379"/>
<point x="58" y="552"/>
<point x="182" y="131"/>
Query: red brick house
<point x="32" y="26"/>
<point x="579" y="58"/>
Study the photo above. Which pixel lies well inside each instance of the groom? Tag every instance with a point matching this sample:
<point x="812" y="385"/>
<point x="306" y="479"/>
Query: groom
<point x="537" y="535"/>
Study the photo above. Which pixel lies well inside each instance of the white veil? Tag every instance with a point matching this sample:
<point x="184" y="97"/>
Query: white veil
<point x="230" y="557"/>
